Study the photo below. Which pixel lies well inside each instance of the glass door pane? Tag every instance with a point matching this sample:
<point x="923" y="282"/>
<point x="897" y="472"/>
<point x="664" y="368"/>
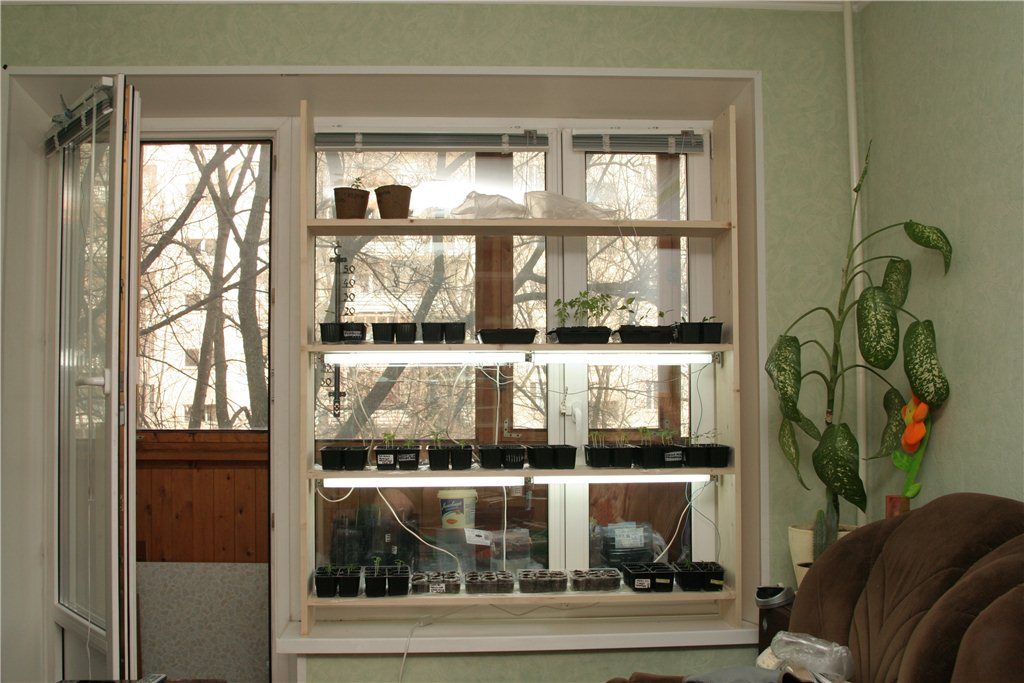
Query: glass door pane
<point x="86" y="361"/>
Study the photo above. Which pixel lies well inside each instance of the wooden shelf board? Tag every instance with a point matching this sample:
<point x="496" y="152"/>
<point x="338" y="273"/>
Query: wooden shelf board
<point x="622" y="596"/>
<point x="457" y="348"/>
<point x="330" y="227"/>
<point x="477" y="471"/>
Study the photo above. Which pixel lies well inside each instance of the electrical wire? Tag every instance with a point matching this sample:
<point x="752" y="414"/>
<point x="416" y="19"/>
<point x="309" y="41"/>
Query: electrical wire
<point x="425" y="621"/>
<point x="534" y="609"/>
<point x="320" y="493"/>
<point x="679" y="524"/>
<point x="504" y="524"/>
<point x="458" y="563"/>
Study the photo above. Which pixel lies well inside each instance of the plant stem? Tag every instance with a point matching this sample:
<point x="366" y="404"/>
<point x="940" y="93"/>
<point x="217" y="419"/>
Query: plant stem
<point x="875" y="258"/>
<point x="815" y="372"/>
<point x="865" y="274"/>
<point x="869" y="369"/>
<point x="900" y="308"/>
<point x="819" y="345"/>
<point x="869" y="236"/>
<point x="816" y="308"/>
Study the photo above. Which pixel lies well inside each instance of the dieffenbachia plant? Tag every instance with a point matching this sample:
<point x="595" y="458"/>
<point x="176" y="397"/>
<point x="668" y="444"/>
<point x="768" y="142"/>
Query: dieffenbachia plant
<point x="836" y="451"/>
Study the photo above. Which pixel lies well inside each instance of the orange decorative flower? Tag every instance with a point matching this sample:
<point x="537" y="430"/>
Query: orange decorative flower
<point x="914" y="414"/>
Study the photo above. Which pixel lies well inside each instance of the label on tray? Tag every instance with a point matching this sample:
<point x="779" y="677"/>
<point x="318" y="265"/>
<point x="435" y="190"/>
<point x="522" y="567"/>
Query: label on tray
<point x="642" y="583"/>
<point x="436" y="587"/>
<point x="478" y="537"/>
<point x="385" y="458"/>
<point x="629" y="537"/>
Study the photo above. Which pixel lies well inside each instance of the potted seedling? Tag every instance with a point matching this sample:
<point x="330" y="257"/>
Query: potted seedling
<point x="703" y="452"/>
<point x="688" y="333"/>
<point x="375" y="579"/>
<point x="385" y="454"/>
<point x="393" y="200"/>
<point x="513" y="456"/>
<point x="325" y="582"/>
<point x="597" y="579"/>
<point x="342" y="457"/>
<point x="624" y="452"/>
<point x="710" y="331"/>
<point x="348" y="581"/>
<point x="672" y="451"/>
<point x="639" y="333"/>
<point x="438" y="453"/>
<point x="649" y="455"/>
<point x="582" y="308"/>
<point x="597" y="453"/>
<point x="398" y="577"/>
<point x="351" y="202"/>
<point x="408" y="455"/>
<point x="443" y="333"/>
<point x="714" y="576"/>
<point x="460" y="455"/>
<point x="689" y="575"/>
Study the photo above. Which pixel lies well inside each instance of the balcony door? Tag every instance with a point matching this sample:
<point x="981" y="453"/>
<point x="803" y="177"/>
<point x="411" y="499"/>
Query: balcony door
<point x="94" y="144"/>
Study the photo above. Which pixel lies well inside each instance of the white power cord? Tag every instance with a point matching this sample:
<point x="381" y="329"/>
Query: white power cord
<point x="320" y="493"/>
<point x="504" y="524"/>
<point x="458" y="563"/>
<point x="679" y="524"/>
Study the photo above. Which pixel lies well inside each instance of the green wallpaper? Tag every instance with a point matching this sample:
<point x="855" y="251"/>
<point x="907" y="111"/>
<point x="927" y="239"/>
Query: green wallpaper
<point x="942" y="90"/>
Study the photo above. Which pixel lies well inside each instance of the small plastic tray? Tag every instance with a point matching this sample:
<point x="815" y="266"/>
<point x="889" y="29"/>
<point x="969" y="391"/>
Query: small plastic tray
<point x="490" y="582"/>
<point x="542" y="580"/>
<point x="599" y="579"/>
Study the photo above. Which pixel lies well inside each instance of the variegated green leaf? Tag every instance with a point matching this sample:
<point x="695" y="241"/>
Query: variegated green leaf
<point x="790" y="448"/>
<point x="783" y="367"/>
<point x="930" y="237"/>
<point x="878" y="330"/>
<point x="921" y="363"/>
<point x="893" y="403"/>
<point x="896" y="281"/>
<point x="835" y="462"/>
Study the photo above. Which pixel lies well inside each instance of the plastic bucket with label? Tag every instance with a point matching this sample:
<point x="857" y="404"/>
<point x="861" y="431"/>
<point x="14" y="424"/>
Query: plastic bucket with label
<point x="458" y="508"/>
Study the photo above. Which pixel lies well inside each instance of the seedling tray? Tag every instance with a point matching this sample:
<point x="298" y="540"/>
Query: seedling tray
<point x="490" y="582"/>
<point x="509" y="335"/>
<point x="565" y="457"/>
<point x="437" y="582"/>
<point x="600" y="579"/>
<point x="646" y="334"/>
<point x="542" y="581"/>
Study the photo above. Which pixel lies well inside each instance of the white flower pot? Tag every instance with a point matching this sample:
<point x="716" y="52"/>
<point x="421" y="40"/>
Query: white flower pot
<point x="801" y="546"/>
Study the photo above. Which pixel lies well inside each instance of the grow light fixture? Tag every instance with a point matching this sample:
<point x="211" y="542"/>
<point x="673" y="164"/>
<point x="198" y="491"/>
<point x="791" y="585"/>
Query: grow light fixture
<point x="620" y="357"/>
<point x="419" y="481"/>
<point x="412" y="356"/>
<point x="624" y="479"/>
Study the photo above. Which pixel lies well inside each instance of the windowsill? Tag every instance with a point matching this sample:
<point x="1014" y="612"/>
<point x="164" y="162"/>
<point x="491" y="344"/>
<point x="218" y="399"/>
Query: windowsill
<point x="392" y="637"/>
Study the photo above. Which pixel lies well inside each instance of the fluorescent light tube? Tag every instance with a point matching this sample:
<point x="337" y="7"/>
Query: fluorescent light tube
<point x="623" y="479"/>
<point x="412" y="356"/>
<point x="418" y="481"/>
<point x="620" y="357"/>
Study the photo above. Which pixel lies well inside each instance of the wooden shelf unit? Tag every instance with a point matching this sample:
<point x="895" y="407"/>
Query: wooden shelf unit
<point x="554" y="227"/>
<point x="581" y="473"/>
<point x="624" y="595"/>
<point x="455" y="348"/>
<point x="722" y="232"/>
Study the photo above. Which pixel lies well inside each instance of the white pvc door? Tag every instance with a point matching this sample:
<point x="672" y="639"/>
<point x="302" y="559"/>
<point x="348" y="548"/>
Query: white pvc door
<point x="96" y="153"/>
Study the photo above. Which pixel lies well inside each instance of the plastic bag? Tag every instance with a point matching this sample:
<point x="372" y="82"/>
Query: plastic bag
<point x="553" y="205"/>
<point x="477" y="205"/>
<point x="822" y="657"/>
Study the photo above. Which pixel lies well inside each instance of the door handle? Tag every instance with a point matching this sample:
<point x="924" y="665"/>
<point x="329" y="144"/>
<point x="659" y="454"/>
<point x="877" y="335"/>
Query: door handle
<point x="103" y="382"/>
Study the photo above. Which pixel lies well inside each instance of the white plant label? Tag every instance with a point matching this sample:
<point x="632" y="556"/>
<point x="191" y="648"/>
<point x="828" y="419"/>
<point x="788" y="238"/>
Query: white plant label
<point x="436" y="588"/>
<point x="385" y="458"/>
<point x="629" y="537"/>
<point x="642" y="583"/>
<point x="478" y="537"/>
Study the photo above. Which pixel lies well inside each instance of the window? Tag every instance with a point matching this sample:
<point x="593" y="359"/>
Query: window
<point x="498" y="282"/>
<point x="204" y="301"/>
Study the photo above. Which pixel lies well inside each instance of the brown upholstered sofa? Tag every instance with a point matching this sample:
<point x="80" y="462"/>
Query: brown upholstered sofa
<point x="933" y="595"/>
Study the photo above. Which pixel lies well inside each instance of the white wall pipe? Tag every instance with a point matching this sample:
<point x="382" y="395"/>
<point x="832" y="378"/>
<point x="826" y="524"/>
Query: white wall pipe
<point x="858" y="286"/>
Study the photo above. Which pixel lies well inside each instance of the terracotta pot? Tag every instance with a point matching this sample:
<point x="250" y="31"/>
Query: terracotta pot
<point x="393" y="201"/>
<point x="801" y="546"/>
<point x="350" y="202"/>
